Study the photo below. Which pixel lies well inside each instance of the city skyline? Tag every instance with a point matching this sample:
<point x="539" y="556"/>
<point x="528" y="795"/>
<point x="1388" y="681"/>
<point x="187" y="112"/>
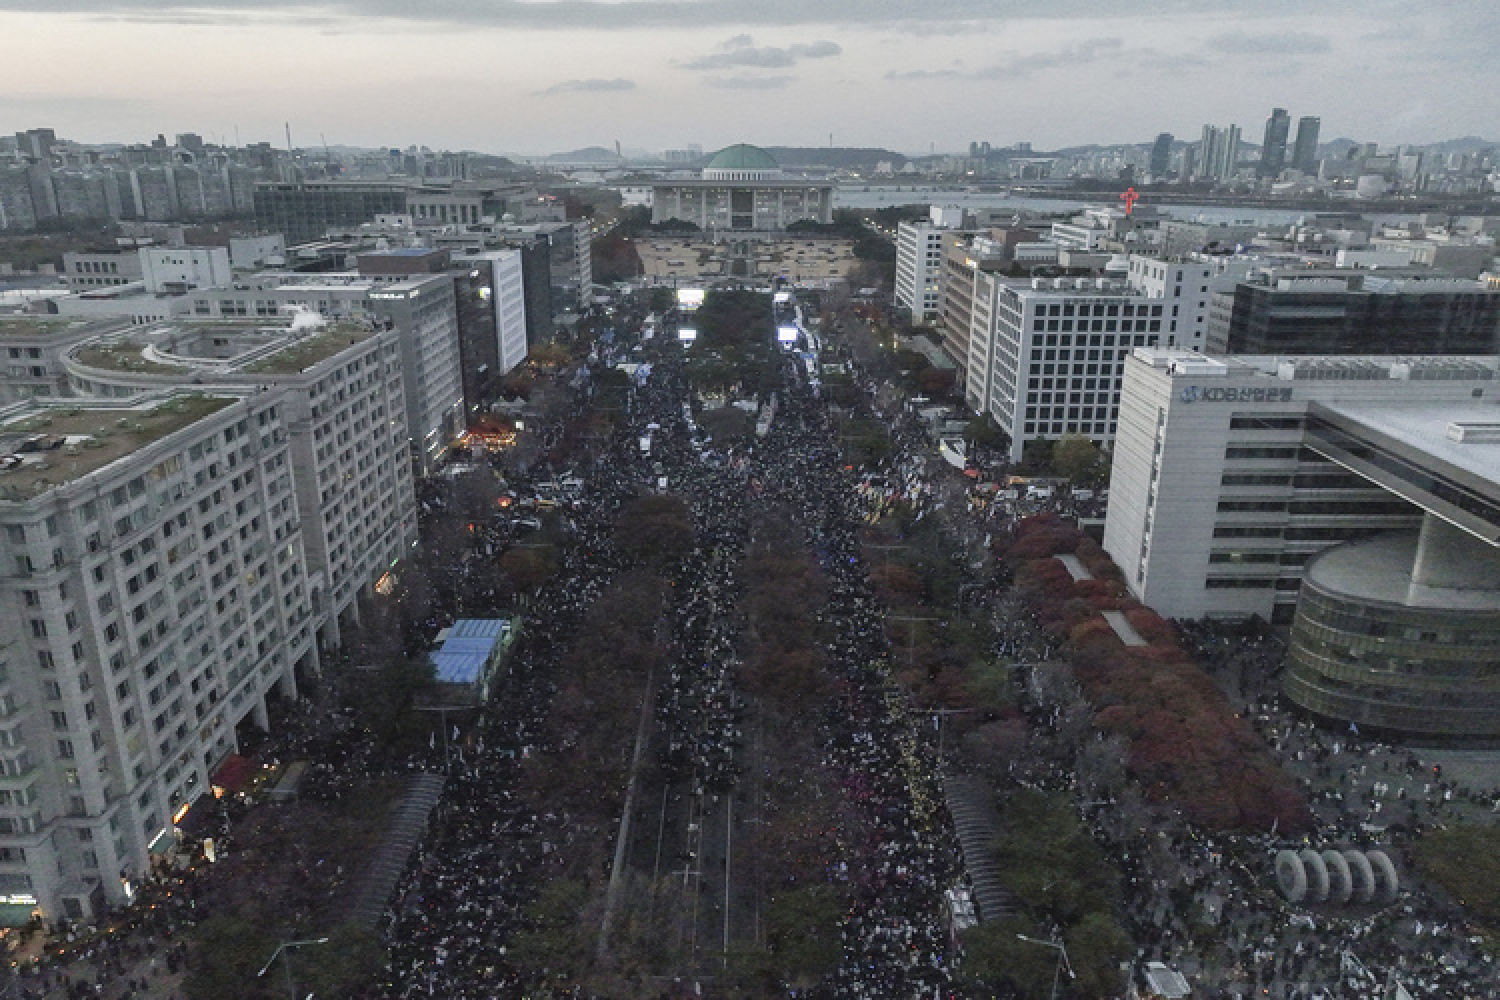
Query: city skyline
<point x="774" y="72"/>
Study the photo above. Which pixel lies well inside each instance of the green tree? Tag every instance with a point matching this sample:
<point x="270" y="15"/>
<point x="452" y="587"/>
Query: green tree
<point x="983" y="431"/>
<point x="1096" y="947"/>
<point x="800" y="926"/>
<point x="996" y="958"/>
<point x="1077" y="458"/>
<point x="655" y="529"/>
<point x="660" y="300"/>
<point x="554" y="940"/>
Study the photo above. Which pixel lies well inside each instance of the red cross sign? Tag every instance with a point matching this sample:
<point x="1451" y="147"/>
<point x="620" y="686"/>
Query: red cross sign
<point x="1129" y="197"/>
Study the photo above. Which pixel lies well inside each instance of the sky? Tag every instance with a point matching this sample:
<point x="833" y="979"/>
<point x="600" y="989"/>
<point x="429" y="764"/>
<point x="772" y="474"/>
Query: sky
<point x="538" y="76"/>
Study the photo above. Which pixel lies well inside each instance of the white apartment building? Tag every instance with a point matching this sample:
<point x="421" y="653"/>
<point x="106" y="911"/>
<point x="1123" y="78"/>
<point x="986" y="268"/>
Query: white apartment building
<point x="423" y="311"/>
<point x="176" y="269"/>
<point x="155" y="591"/>
<point x="1187" y="285"/>
<point x="346" y="415"/>
<point x="1231" y="473"/>
<point x="1045" y="356"/>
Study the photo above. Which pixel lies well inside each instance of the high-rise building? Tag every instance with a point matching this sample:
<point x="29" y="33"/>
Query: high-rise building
<point x="156" y="590"/>
<point x="1218" y="153"/>
<point x="1044" y="356"/>
<point x="1161" y="155"/>
<point x="1273" y="145"/>
<point x="1343" y="311"/>
<point x="919" y="262"/>
<point x="1305" y="149"/>
<point x="1355" y="498"/>
<point x="1186" y="284"/>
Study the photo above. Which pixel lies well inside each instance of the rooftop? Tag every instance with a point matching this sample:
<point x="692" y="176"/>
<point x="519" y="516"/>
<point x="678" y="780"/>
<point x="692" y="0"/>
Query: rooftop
<point x="94" y="438"/>
<point x="1379" y="570"/>
<point x="303" y="354"/>
<point x="124" y="356"/>
<point x="247" y="348"/>
<point x="1428" y="428"/>
<point x="35" y="327"/>
<point x="742" y="156"/>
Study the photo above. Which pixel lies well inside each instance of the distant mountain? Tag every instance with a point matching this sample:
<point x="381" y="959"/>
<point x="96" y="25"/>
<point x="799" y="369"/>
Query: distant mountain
<point x="591" y="154"/>
<point x="844" y="157"/>
<point x="1468" y="144"/>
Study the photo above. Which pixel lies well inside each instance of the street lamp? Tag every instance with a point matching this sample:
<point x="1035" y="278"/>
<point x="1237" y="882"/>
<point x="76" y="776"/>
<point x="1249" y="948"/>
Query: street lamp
<point x="291" y="990"/>
<point x="1062" y="959"/>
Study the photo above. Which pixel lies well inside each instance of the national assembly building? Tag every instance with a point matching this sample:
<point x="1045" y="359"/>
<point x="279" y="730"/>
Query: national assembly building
<point x="744" y="190"/>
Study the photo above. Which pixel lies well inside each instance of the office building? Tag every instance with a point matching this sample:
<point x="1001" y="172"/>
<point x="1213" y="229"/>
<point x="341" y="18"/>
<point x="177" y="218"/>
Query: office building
<point x="997" y="249"/>
<point x="1161" y="155"/>
<point x="88" y="271"/>
<point x="425" y="312"/>
<point x="919" y="261"/>
<point x="1305" y="148"/>
<point x="500" y="341"/>
<point x="1341" y="311"/>
<point x="1045" y="356"/>
<point x="1187" y="285"/>
<point x="305" y="210"/>
<point x="1273" y="144"/>
<point x="176" y="270"/>
<point x="1355" y="498"/>
<point x="421" y="309"/>
<point x="1217" y="452"/>
<point x="171" y="558"/>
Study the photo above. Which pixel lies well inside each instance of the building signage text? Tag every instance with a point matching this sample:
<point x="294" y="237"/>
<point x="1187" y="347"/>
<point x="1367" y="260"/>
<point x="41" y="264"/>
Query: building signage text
<point x="1219" y="394"/>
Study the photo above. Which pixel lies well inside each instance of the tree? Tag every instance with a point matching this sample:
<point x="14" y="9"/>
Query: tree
<point x="984" y="432"/>
<point x="727" y="425"/>
<point x="660" y="300"/>
<point x="1096" y="947"/>
<point x="1036" y="457"/>
<point x="1078" y="459"/>
<point x="655" y="529"/>
<point x="530" y="567"/>
<point x="799" y="932"/>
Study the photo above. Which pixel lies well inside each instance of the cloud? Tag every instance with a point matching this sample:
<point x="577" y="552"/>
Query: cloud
<point x="567" y="14"/>
<point x="742" y="51"/>
<point x="593" y="86"/>
<point x="1290" y="43"/>
<point x="922" y="74"/>
<point x="44" y="104"/>
<point x="743" y="82"/>
<point x="1018" y="65"/>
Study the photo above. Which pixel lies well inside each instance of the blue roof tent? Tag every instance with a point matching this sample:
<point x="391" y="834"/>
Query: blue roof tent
<point x="472" y="648"/>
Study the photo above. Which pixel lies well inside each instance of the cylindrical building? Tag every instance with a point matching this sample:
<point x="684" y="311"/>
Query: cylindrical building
<point x="1401" y="634"/>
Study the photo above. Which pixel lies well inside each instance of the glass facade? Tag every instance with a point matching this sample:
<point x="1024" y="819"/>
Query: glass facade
<point x="1420" y="671"/>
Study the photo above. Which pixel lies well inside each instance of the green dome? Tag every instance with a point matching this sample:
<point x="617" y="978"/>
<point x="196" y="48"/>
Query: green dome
<point x="741" y="157"/>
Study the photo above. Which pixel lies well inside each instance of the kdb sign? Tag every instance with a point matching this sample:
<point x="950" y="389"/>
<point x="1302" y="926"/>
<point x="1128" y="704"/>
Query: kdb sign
<point x="1220" y="394"/>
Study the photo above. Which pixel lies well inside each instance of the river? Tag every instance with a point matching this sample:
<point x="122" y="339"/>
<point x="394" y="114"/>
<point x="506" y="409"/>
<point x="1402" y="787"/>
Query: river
<point x="885" y="196"/>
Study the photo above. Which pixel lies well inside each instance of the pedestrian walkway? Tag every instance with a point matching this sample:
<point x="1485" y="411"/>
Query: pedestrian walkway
<point x="1127" y="633"/>
<point x="971" y="804"/>
<point x="1075" y="567"/>
<point x="408" y="823"/>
